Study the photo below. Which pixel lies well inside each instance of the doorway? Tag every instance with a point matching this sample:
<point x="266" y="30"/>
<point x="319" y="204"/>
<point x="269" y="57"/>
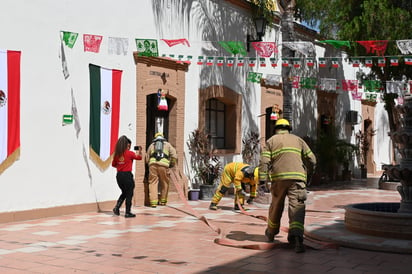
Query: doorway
<point x="157" y="120"/>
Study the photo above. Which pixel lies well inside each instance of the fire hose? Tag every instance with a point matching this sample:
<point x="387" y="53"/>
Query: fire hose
<point x="223" y="240"/>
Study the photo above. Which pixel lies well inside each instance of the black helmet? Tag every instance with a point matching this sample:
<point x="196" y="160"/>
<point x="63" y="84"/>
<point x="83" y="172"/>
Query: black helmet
<point x="248" y="171"/>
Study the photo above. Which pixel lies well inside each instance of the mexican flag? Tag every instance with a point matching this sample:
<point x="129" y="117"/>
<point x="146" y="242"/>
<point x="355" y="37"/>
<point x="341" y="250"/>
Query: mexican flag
<point x="104" y="113"/>
<point x="9" y="108"/>
<point x="322" y="62"/>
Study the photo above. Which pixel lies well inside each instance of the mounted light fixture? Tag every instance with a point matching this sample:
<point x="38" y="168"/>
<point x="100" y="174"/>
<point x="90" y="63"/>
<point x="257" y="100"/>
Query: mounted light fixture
<point x="260" y="26"/>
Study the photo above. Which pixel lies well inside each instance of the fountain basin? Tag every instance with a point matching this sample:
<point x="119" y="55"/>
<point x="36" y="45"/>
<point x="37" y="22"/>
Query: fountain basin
<point x="379" y="219"/>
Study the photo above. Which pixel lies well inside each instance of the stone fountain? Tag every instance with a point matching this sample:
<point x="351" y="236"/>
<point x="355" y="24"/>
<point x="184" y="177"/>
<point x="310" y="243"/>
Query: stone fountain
<point x="392" y="220"/>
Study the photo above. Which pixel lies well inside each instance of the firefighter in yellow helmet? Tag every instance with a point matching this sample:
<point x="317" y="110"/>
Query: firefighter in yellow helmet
<point x="238" y="174"/>
<point x="282" y="163"/>
<point x="160" y="156"/>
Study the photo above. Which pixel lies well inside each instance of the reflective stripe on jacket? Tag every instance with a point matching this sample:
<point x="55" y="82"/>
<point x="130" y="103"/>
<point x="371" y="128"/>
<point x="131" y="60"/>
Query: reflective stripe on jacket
<point x="232" y="173"/>
<point x="282" y="158"/>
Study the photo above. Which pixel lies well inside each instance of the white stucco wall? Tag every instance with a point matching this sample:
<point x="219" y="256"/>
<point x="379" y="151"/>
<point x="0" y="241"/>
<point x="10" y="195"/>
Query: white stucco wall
<point x="52" y="169"/>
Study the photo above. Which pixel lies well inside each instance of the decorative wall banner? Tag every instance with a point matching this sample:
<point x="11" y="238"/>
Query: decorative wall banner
<point x="234" y="47"/>
<point x="398" y="87"/>
<point x="9" y="108"/>
<point x="62" y="56"/>
<point x="92" y="42"/>
<point x="104" y="113"/>
<point x="147" y="47"/>
<point x="327" y="84"/>
<point x="378" y="47"/>
<point x="254" y="77"/>
<point x="405" y="46"/>
<point x="305" y="48"/>
<point x="69" y="38"/>
<point x="336" y="44"/>
<point x="350" y="85"/>
<point x="273" y="79"/>
<point x="265" y="49"/>
<point x="175" y="42"/>
<point x="75" y="114"/>
<point x="118" y="46"/>
<point x="372" y="85"/>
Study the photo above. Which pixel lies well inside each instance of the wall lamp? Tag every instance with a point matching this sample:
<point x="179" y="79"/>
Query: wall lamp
<point x="260" y="26"/>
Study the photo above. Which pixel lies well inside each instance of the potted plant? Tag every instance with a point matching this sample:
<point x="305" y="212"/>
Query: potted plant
<point x="205" y="164"/>
<point x="345" y="153"/>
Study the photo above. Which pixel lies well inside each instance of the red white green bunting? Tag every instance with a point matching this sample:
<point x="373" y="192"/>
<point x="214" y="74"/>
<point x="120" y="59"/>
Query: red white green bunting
<point x="394" y="61"/>
<point x="322" y="62"/>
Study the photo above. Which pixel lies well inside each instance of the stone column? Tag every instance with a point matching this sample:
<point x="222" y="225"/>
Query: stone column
<point x="403" y="140"/>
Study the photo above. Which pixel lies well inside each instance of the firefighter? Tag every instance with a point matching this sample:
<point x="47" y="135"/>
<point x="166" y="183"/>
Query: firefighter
<point x="239" y="174"/>
<point x="160" y="156"/>
<point x="282" y="163"/>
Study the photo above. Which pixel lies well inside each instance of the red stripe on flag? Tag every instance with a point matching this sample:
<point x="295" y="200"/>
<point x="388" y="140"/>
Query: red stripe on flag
<point x="116" y="84"/>
<point x="13" y="100"/>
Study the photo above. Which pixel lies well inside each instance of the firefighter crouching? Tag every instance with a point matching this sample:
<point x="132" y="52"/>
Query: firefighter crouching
<point x="160" y="156"/>
<point x="281" y="162"/>
<point x="238" y="174"/>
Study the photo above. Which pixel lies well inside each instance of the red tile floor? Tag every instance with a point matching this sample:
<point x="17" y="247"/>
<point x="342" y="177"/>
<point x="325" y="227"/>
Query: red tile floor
<point x="172" y="240"/>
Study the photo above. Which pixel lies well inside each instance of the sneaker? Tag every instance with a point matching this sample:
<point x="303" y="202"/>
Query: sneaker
<point x="213" y="206"/>
<point x="116" y="211"/>
<point x="269" y="238"/>
<point x="299" y="247"/>
<point x="129" y="215"/>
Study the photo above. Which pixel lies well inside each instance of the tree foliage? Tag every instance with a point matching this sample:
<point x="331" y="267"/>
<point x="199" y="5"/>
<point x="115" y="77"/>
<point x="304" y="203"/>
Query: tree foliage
<point x="363" y="20"/>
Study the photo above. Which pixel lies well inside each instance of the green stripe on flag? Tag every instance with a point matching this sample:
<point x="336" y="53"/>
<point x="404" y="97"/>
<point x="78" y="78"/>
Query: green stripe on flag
<point x="94" y="133"/>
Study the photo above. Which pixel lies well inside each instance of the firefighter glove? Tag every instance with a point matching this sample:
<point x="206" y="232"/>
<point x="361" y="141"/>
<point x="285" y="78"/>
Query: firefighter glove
<point x="241" y="193"/>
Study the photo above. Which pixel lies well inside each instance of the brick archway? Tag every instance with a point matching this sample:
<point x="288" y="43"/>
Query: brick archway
<point x="153" y="73"/>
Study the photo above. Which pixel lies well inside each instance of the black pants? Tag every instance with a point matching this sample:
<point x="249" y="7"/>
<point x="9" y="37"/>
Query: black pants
<point x="125" y="182"/>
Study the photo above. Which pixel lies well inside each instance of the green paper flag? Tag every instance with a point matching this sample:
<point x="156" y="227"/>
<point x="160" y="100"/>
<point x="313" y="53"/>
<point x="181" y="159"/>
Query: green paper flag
<point x="147" y="47"/>
<point x="372" y="85"/>
<point x="308" y="82"/>
<point x="234" y="47"/>
<point x="254" y="77"/>
<point x="336" y="44"/>
<point x="69" y="38"/>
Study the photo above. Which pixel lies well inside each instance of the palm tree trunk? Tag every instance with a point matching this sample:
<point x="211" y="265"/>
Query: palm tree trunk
<point x="288" y="35"/>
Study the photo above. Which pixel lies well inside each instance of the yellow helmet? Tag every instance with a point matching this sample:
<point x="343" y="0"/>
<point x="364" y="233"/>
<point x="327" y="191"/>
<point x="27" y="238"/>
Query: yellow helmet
<point x="283" y="124"/>
<point x="159" y="134"/>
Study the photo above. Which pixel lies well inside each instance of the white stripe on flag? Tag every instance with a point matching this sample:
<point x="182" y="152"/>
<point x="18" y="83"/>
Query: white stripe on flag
<point x="105" y="119"/>
<point x="3" y="110"/>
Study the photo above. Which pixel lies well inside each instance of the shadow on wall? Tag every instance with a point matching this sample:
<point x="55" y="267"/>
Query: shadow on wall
<point x="214" y="22"/>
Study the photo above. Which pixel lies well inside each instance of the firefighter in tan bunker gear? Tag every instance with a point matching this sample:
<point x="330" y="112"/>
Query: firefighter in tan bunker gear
<point x="160" y="156"/>
<point x="239" y="174"/>
<point x="282" y="163"/>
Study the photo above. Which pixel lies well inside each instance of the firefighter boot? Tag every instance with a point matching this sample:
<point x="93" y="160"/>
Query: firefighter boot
<point x="213" y="206"/>
<point x="297" y="241"/>
<point x="269" y="237"/>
